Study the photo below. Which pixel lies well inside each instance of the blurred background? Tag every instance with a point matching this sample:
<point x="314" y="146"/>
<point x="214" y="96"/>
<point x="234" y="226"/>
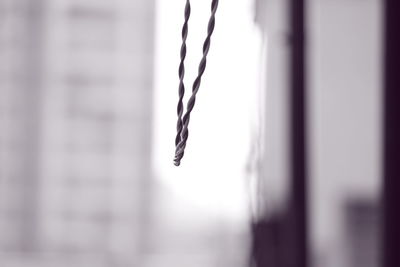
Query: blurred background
<point x="270" y="177"/>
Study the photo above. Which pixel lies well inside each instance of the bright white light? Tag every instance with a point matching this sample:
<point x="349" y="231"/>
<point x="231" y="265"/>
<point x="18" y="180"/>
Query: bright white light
<point x="211" y="176"/>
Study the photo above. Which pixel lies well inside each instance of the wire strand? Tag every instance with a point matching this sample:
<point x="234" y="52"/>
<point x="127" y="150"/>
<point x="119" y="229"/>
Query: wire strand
<point x="184" y="133"/>
<point x="181" y="73"/>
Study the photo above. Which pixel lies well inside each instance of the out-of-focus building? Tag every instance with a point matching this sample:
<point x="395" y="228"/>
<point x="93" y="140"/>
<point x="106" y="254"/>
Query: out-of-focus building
<point x="362" y="221"/>
<point x="343" y="54"/>
<point x="75" y="117"/>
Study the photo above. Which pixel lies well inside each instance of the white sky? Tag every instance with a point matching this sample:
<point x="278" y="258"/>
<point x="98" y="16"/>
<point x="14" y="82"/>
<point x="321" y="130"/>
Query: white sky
<point x="211" y="176"/>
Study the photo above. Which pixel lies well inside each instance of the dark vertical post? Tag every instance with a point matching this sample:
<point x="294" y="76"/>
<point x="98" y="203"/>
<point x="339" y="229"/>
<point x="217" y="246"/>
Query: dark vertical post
<point x="391" y="188"/>
<point x="298" y="207"/>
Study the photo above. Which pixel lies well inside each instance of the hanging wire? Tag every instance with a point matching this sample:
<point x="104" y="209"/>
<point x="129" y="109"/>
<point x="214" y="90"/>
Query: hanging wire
<point x="184" y="131"/>
<point x="182" y="73"/>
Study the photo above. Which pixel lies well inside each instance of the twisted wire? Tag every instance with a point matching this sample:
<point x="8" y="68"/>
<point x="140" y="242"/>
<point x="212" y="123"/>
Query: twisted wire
<point x="181" y="73"/>
<point x="180" y="147"/>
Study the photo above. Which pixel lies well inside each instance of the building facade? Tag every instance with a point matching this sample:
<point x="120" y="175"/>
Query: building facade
<point x="76" y="113"/>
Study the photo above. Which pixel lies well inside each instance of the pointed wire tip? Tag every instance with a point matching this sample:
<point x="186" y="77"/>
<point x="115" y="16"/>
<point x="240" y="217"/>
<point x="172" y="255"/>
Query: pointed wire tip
<point x="180" y="146"/>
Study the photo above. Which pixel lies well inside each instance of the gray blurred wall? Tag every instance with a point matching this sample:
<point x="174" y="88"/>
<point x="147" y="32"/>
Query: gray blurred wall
<point x="75" y="117"/>
<point x="344" y="56"/>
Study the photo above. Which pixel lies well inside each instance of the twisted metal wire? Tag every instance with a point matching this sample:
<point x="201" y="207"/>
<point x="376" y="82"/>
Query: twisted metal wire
<point x="181" y="73"/>
<point x="184" y="134"/>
